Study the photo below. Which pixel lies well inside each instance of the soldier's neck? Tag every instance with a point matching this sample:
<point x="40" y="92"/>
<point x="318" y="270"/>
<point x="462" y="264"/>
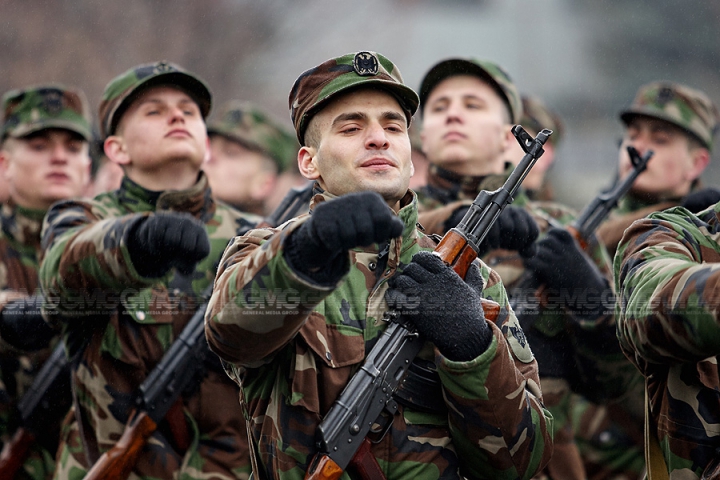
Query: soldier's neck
<point x="160" y="180"/>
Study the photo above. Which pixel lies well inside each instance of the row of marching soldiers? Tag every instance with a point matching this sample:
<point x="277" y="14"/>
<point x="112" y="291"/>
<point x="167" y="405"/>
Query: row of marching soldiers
<point x="546" y="389"/>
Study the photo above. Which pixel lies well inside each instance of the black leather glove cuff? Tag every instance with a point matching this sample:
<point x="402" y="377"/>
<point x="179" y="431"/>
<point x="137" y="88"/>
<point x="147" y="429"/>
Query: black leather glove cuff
<point x="307" y="257"/>
<point x="23" y="327"/>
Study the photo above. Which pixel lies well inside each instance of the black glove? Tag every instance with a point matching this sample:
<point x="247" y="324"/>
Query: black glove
<point x="159" y="242"/>
<point x="319" y="247"/>
<point x="444" y="308"/>
<point x="560" y="265"/>
<point x="700" y="200"/>
<point x="515" y="229"/>
<point x="23" y="326"/>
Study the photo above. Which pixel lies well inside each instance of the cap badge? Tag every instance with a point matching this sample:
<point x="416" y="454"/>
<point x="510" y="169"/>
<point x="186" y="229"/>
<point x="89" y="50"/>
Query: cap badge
<point x="365" y="64"/>
<point x="52" y="102"/>
<point x="664" y="95"/>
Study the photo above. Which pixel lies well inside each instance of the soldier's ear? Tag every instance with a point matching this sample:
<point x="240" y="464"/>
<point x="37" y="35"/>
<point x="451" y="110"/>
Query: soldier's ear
<point x="700" y="159"/>
<point x="307" y="163"/>
<point x="116" y="150"/>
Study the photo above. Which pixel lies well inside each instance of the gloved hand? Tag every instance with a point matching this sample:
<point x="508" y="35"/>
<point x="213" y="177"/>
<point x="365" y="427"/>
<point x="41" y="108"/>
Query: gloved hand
<point x="445" y="309"/>
<point x="318" y="248"/>
<point x="23" y="326"/>
<point x="515" y="229"/>
<point x="165" y="240"/>
<point x="700" y="200"/>
<point x="561" y="265"/>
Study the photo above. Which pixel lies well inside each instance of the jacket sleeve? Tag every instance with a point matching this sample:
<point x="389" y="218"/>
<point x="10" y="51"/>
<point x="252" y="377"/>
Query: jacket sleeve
<point x="667" y="278"/>
<point x="85" y="256"/>
<point x="259" y="303"/>
<point x="499" y="424"/>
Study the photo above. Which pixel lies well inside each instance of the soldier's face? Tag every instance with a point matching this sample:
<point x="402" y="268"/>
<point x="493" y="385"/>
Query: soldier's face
<point x="238" y="175"/>
<point x="163" y="127"/>
<point x="45" y="167"/>
<point x="674" y="164"/>
<point x="466" y="127"/>
<point x="363" y="145"/>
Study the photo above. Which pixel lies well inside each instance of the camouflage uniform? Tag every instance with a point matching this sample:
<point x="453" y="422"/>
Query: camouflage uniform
<point x="667" y="325"/>
<point x="610" y="437"/>
<point x="292" y="356"/>
<point x="27" y="111"/>
<point x="117" y="324"/>
<point x="586" y="352"/>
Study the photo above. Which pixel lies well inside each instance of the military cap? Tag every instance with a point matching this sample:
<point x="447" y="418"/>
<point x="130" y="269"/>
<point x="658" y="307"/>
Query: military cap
<point x="36" y="108"/>
<point x="536" y="116"/>
<point x="315" y="87"/>
<point x="246" y="124"/>
<point x="119" y="92"/>
<point x="489" y="72"/>
<point x="685" y="107"/>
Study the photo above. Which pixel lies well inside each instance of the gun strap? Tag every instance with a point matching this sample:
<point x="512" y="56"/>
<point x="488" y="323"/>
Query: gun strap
<point x="365" y="464"/>
<point x="656" y="466"/>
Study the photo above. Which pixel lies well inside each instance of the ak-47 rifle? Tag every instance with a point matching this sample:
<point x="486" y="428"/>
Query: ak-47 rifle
<point x="584" y="226"/>
<point x="44" y="403"/>
<point x="161" y="390"/>
<point x="342" y="435"/>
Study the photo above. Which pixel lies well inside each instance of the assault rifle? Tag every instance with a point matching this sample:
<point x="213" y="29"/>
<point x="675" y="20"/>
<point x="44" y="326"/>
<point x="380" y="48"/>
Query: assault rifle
<point x="46" y="401"/>
<point x="342" y="435"/>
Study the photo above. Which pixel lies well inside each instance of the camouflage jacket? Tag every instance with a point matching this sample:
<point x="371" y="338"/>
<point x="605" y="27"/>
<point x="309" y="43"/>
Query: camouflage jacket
<point x="19" y="263"/>
<point x="294" y="344"/>
<point x="120" y="324"/>
<point x="573" y="355"/>
<point x="665" y="273"/>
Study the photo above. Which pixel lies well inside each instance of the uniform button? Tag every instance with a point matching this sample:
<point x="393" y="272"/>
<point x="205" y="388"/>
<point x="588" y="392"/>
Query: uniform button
<point x="328" y="355"/>
<point x="372" y="266"/>
<point x="605" y="437"/>
<point x="141" y="316"/>
<point x="387" y="272"/>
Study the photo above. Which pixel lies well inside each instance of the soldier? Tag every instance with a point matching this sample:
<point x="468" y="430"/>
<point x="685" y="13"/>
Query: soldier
<point x="126" y="270"/>
<point x="43" y="158"/>
<point x="665" y="273"/>
<point x="482" y="415"/>
<point x="248" y="151"/>
<point x="468" y="107"/>
<point x="677" y="123"/>
<point x="536" y="116"/>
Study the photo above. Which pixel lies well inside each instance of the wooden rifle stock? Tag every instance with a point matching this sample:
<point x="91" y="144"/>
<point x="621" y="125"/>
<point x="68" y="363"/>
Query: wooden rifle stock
<point x="15" y="452"/>
<point x="118" y="462"/>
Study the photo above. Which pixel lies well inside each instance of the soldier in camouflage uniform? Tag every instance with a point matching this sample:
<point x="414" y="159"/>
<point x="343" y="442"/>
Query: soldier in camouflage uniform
<point x="665" y="272"/>
<point x="126" y="270"/>
<point x="296" y="309"/>
<point x="44" y="158"/>
<point x="677" y="123"/>
<point x="536" y="116"/>
<point x="468" y="108"/>
<point x="248" y="150"/>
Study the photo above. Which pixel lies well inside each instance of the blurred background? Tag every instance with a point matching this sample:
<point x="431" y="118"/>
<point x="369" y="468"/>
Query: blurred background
<point x="585" y="58"/>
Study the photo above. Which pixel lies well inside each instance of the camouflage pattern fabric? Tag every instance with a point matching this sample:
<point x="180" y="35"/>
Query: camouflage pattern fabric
<point x="667" y="310"/>
<point x="19" y="264"/>
<point x="591" y="358"/>
<point x="680" y="105"/>
<point x="536" y="116"/>
<point x="489" y="72"/>
<point x="29" y="110"/>
<point x="248" y="125"/>
<point x="292" y="345"/>
<point x="120" y="324"/>
<point x="315" y="87"/>
<point x="119" y="93"/>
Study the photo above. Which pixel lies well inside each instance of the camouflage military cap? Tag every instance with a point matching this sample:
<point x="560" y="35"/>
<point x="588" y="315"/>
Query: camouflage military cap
<point x="246" y="124"/>
<point x="536" y="116"/>
<point x="680" y="105"/>
<point x="119" y="92"/>
<point x="32" y="109"/>
<point x="489" y="72"/>
<point x="314" y="88"/>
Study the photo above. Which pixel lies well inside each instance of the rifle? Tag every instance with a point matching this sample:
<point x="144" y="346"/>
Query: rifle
<point x="342" y="435"/>
<point x="47" y="400"/>
<point x="158" y="394"/>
